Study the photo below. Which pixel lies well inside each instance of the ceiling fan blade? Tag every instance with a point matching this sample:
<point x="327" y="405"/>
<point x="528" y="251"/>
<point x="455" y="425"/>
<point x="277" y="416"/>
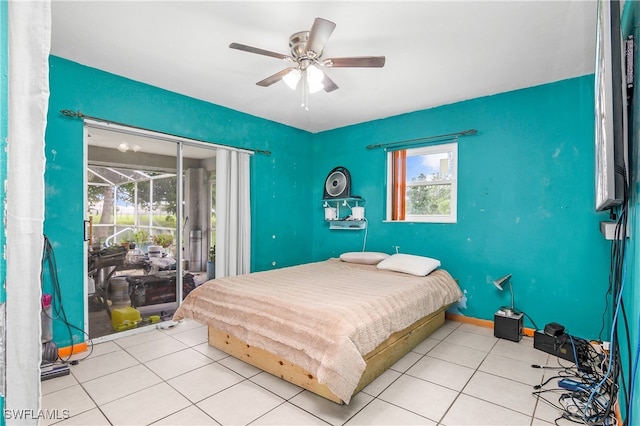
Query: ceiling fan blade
<point x="251" y="49"/>
<point x="329" y="85"/>
<point x="319" y="34"/>
<point x="275" y="77"/>
<point x="358" y="61"/>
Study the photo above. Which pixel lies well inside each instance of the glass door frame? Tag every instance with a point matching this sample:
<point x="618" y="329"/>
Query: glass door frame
<point x="180" y="238"/>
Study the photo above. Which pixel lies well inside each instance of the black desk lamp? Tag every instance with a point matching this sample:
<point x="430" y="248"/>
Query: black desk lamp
<point x="500" y="283"/>
<point x="507" y="323"/>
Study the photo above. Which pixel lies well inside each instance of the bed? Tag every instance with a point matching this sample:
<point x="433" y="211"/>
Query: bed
<point x="330" y="327"/>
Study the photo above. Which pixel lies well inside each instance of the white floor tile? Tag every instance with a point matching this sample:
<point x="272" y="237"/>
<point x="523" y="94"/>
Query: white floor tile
<point x="94" y="367"/>
<point x="468" y="410"/>
<point x="67" y="402"/>
<point x="288" y="414"/>
<point x="476" y="329"/>
<point x="471" y="340"/>
<point x="501" y="391"/>
<point x="240" y="367"/>
<point x="146" y="407"/>
<point x="192" y="337"/>
<point x="523" y="351"/>
<point x="328" y="411"/>
<point x="425" y="346"/>
<point x="419" y="396"/>
<point x="443" y="373"/>
<point x="538" y="422"/>
<point x="441" y="333"/>
<point x="139" y="338"/>
<point x="205" y="386"/>
<point x="513" y="369"/>
<point x="205" y="381"/>
<point x="156" y="348"/>
<point x="121" y="383"/>
<point x="240" y="404"/>
<point x="190" y="416"/>
<point x="178" y="363"/>
<point x="96" y="350"/>
<point x="405" y="363"/>
<point x="457" y="354"/>
<point x="279" y="386"/>
<point x="210" y="351"/>
<point x="548" y="412"/>
<point x="182" y="326"/>
<point x="382" y="413"/>
<point x="57" y="383"/>
<point x="92" y="417"/>
<point x="381" y="382"/>
<point x="451" y="324"/>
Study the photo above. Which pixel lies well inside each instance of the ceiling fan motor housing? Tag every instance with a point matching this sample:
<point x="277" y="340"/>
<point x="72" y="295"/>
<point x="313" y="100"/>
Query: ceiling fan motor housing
<point x="298" y="43"/>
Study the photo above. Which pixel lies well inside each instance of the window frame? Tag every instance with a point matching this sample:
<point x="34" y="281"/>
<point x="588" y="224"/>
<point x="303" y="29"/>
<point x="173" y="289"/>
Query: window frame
<point x="452" y="217"/>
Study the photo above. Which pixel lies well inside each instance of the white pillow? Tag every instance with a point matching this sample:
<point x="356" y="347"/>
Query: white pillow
<point x="409" y="264"/>
<point x="364" y="257"/>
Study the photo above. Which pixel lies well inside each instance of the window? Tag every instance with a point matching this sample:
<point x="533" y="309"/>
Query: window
<point x="422" y="184"/>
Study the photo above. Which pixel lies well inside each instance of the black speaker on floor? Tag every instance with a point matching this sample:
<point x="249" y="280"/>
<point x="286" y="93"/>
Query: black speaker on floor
<point x="508" y="326"/>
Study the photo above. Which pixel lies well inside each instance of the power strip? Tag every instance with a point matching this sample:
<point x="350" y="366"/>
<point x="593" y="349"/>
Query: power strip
<point x="571" y="385"/>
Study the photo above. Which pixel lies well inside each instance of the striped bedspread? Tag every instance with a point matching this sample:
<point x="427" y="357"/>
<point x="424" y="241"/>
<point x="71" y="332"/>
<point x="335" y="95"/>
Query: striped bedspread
<point x="323" y="316"/>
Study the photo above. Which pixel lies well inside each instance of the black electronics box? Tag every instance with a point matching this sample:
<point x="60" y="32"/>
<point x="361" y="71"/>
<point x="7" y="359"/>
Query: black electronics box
<point x="560" y="345"/>
<point x="507" y="326"/>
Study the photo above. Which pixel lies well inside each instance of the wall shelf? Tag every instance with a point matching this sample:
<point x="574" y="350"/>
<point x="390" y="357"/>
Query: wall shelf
<point x="344" y="212"/>
<point x="351" y="225"/>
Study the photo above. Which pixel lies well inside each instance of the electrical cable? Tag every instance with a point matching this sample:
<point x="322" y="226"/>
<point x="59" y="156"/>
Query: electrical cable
<point x="366" y="230"/>
<point x="535" y="326"/>
<point x="632" y="379"/>
<point x="611" y="355"/>
<point x="48" y="260"/>
<point x="588" y="375"/>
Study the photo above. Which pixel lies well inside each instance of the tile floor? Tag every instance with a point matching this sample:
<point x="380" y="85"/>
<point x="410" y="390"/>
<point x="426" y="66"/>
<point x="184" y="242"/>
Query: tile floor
<point x="461" y="375"/>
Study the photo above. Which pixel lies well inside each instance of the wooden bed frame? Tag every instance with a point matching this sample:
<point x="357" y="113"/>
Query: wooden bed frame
<point x="378" y="360"/>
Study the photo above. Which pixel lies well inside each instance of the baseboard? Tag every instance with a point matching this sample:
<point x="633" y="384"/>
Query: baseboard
<point x="71" y="350"/>
<point x="481" y="323"/>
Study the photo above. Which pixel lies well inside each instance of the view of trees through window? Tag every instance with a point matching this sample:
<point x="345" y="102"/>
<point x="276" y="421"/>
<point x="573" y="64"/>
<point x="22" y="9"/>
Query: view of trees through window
<point x="120" y="198"/>
<point x="422" y="184"/>
<point x="429" y="184"/>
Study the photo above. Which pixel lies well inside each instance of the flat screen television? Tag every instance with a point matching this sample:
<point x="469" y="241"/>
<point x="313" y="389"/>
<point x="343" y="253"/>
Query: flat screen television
<point x="610" y="108"/>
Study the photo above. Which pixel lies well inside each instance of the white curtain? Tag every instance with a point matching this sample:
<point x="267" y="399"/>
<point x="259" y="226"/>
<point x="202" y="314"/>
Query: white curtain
<point x="29" y="47"/>
<point x="233" y="213"/>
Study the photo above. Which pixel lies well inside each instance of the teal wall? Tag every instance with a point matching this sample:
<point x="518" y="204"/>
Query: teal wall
<point x="4" y="123"/>
<point x="631" y="293"/>
<point x="525" y="201"/>
<point x="275" y="206"/>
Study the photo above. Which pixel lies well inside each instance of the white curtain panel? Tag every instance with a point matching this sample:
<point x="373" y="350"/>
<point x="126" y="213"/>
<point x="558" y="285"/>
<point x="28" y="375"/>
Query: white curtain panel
<point x="233" y="213"/>
<point x="29" y="47"/>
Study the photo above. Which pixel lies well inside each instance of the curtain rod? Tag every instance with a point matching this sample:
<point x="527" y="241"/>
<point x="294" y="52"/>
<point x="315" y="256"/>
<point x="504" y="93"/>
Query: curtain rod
<point x="425" y="139"/>
<point x="73" y="114"/>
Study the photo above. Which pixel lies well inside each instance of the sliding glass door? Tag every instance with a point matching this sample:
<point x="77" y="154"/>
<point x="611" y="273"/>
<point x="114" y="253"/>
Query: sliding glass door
<point x="149" y="205"/>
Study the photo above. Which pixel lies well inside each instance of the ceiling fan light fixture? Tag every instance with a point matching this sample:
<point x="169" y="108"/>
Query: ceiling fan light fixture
<point x="306" y="49"/>
<point x="314" y="78"/>
<point x="292" y="78"/>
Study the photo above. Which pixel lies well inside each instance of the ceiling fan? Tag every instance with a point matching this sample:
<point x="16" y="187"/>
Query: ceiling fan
<point x="306" y="58"/>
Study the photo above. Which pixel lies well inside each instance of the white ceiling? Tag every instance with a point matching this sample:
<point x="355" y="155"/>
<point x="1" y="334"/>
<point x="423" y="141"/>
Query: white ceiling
<point x="437" y="52"/>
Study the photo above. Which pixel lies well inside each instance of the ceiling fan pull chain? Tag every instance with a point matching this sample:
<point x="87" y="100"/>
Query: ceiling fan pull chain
<point x="305" y="91"/>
